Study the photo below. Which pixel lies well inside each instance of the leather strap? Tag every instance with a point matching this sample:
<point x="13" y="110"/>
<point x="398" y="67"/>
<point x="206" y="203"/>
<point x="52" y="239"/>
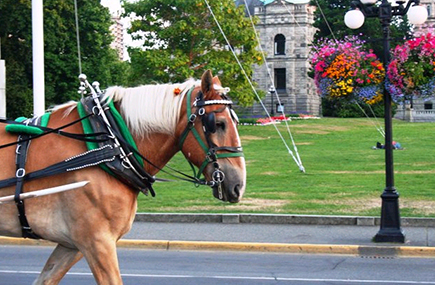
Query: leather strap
<point x="20" y="161"/>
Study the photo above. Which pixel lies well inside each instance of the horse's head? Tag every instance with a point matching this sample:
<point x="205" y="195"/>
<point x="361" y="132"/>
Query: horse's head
<point x="209" y="139"/>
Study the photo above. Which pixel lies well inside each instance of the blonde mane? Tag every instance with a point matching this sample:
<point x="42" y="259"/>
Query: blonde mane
<point x="150" y="108"/>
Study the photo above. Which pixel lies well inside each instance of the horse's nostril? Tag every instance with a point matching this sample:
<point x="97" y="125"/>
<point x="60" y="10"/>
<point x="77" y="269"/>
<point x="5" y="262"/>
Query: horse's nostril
<point x="237" y="190"/>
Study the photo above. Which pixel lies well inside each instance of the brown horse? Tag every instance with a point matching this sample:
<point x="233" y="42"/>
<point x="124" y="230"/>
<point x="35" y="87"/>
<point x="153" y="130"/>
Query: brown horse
<point x="89" y="221"/>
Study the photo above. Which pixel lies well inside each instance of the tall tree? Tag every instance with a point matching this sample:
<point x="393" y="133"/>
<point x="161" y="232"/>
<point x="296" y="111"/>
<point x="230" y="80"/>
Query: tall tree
<point x="99" y="61"/>
<point x="181" y="40"/>
<point x="371" y="31"/>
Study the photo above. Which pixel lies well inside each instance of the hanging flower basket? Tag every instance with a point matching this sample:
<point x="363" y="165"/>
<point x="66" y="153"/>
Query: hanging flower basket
<point x="342" y="68"/>
<point x="411" y="72"/>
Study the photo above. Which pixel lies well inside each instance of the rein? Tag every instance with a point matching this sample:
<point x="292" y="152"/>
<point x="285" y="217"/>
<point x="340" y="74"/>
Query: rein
<point x="46" y="131"/>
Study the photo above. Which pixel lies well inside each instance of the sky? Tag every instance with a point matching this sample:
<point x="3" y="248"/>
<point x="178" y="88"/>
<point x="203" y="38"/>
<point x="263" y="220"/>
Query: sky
<point x="116" y="9"/>
<point x="113" y="5"/>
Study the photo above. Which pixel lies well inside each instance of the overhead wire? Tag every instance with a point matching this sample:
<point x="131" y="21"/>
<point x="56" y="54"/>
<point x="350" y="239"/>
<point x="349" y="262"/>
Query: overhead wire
<point x="78" y="36"/>
<point x="298" y="158"/>
<point x="376" y="124"/>
<point x="301" y="168"/>
<point x="382" y="131"/>
<point x="326" y="21"/>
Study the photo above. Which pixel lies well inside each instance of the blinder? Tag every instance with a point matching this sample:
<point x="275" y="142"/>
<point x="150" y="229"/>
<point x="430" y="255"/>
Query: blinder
<point x="209" y="123"/>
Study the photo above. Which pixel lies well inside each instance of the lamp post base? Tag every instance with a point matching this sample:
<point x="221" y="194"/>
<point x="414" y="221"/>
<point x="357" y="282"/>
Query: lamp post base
<point x="390" y="230"/>
<point x="389" y="235"/>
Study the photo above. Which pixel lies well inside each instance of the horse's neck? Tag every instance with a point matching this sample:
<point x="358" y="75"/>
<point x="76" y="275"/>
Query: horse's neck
<point x="157" y="148"/>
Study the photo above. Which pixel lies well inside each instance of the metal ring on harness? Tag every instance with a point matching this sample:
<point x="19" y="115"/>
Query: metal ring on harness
<point x="21" y="172"/>
<point x="98" y="109"/>
<point x="126" y="164"/>
<point x="218" y="176"/>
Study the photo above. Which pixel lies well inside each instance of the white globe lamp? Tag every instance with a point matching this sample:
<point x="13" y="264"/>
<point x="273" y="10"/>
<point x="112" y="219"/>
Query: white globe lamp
<point x="417" y="15"/>
<point x="368" y="2"/>
<point x="354" y="19"/>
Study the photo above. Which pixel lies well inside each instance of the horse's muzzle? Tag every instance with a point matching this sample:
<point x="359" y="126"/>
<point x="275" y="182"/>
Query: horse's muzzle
<point x="230" y="190"/>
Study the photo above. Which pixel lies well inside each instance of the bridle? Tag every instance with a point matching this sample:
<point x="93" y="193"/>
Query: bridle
<point x="209" y="127"/>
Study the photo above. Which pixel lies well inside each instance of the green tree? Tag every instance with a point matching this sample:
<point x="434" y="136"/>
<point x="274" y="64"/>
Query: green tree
<point x="181" y="40"/>
<point x="371" y="31"/>
<point x="99" y="61"/>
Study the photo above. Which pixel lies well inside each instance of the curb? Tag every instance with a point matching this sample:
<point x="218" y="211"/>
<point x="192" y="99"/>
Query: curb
<point x="276" y="219"/>
<point x="355" y="250"/>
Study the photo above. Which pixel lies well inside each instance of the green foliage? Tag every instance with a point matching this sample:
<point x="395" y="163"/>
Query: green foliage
<point x="181" y="40"/>
<point x="99" y="61"/>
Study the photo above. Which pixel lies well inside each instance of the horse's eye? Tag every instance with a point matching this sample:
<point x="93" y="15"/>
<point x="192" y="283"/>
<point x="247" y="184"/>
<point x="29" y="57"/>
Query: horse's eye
<point x="220" y="126"/>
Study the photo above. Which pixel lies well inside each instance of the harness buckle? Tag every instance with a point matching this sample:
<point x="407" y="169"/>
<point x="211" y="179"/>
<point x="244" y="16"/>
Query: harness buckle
<point x="192" y="118"/>
<point x="211" y="156"/>
<point x="195" y="103"/>
<point x="201" y="111"/>
<point x="20" y="173"/>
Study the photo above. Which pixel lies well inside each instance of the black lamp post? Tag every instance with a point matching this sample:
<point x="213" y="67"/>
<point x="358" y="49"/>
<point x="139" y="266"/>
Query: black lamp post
<point x="272" y="93"/>
<point x="390" y="229"/>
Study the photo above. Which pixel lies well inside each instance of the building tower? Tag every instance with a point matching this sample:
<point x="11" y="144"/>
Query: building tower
<point x="286" y="32"/>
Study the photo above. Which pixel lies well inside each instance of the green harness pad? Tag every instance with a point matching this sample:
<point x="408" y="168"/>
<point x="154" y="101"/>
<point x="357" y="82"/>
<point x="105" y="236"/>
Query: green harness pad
<point x="87" y="128"/>
<point x="28" y="130"/>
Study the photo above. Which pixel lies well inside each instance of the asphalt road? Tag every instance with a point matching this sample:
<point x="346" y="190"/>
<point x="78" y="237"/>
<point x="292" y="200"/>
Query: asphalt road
<point x="20" y="265"/>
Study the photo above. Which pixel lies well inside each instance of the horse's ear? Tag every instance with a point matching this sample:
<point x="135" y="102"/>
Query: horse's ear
<point x="216" y="81"/>
<point x="206" y="82"/>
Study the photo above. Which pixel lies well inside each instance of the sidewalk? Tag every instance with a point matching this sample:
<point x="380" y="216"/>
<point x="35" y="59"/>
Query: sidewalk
<point x="273" y="233"/>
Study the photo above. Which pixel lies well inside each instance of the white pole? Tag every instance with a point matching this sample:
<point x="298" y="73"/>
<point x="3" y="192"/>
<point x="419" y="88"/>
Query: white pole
<point x="2" y="89"/>
<point x="38" y="58"/>
<point x="44" y="192"/>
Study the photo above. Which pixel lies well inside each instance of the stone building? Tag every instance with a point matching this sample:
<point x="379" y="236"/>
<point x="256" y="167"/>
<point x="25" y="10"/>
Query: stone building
<point x="286" y="31"/>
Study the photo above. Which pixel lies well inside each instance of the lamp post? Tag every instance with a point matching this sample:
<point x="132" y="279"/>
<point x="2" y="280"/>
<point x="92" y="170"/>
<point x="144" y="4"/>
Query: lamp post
<point x="390" y="230"/>
<point x="272" y="93"/>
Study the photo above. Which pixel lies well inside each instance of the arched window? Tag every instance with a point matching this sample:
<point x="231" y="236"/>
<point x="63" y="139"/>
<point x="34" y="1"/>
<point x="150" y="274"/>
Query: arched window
<point x="279" y="44"/>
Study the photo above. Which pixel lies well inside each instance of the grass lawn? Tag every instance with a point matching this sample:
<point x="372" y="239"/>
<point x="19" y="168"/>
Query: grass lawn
<point x="344" y="175"/>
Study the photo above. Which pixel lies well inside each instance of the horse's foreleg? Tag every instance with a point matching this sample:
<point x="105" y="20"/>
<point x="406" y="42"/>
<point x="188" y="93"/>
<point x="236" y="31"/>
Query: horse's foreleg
<point x="103" y="261"/>
<point x="60" y="261"/>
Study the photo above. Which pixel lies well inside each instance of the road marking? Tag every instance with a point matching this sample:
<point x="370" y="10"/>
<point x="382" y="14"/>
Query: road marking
<point x="259" y="278"/>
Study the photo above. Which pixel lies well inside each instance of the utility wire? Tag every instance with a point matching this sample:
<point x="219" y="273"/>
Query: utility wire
<point x="378" y="128"/>
<point x="78" y="36"/>
<point x="250" y="83"/>
<point x="273" y="86"/>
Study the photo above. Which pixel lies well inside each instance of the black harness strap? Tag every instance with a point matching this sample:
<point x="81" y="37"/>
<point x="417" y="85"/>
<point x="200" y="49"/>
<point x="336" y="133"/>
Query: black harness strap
<point x="87" y="159"/>
<point x="20" y="161"/>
